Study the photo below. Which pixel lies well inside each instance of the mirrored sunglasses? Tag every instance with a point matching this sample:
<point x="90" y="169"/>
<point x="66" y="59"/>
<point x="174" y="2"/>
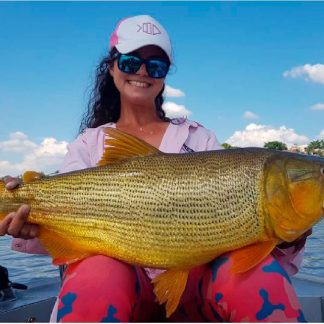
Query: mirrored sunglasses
<point x="156" y="68"/>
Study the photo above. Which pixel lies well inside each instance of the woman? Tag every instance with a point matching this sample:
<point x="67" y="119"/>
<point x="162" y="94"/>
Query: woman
<point x="128" y="96"/>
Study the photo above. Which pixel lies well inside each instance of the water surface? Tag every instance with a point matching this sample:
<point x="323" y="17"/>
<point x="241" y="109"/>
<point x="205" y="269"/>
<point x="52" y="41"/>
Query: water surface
<point x="24" y="267"/>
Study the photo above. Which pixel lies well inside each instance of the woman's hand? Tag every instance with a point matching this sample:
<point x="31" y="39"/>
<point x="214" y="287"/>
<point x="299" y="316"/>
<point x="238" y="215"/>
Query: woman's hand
<point x="15" y="223"/>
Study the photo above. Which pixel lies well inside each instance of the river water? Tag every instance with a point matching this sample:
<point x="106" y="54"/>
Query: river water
<point x="24" y="268"/>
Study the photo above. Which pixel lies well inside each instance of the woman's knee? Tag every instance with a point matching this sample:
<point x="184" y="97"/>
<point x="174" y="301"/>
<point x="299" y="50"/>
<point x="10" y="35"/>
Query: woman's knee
<point x="98" y="288"/>
<point x="264" y="293"/>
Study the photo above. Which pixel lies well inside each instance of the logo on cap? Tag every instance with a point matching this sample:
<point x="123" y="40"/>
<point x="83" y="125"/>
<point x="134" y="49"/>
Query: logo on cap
<point x="149" y="28"/>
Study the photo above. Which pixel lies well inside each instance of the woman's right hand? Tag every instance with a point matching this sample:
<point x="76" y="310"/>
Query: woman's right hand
<point x="15" y="223"/>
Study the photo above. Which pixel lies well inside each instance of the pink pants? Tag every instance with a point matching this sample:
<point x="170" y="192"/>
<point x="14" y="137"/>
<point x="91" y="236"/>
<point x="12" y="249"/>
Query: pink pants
<point x="102" y="289"/>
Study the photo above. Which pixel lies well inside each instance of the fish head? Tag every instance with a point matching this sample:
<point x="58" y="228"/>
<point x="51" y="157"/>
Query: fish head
<point x="306" y="187"/>
<point x="294" y="194"/>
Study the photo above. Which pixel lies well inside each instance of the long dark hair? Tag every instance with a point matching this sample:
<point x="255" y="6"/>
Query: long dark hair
<point x="104" y="103"/>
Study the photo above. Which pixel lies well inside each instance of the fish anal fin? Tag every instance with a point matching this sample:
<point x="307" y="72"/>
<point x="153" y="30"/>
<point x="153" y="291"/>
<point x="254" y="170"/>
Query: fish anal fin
<point x="30" y="176"/>
<point x="169" y="287"/>
<point x="63" y="253"/>
<point x="246" y="258"/>
<point x="121" y="146"/>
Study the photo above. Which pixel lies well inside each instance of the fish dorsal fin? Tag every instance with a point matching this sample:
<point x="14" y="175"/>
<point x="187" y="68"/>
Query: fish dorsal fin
<point x="122" y="146"/>
<point x="249" y="256"/>
<point x="30" y="176"/>
<point x="169" y="287"/>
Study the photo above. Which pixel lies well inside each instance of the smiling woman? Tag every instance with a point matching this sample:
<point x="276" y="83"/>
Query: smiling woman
<point x="139" y="78"/>
<point x="128" y="96"/>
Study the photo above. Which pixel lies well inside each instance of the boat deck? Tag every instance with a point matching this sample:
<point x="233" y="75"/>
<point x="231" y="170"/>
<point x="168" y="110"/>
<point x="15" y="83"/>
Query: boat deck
<point x="310" y="290"/>
<point x="32" y="305"/>
<point x="35" y="303"/>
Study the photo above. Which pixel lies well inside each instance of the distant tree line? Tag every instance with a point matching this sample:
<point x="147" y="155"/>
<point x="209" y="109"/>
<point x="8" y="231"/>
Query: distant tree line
<point x="314" y="147"/>
<point x="276" y="145"/>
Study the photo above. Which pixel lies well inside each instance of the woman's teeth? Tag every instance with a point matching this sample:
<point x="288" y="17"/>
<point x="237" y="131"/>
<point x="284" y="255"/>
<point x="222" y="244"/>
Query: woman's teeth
<point x="139" y="84"/>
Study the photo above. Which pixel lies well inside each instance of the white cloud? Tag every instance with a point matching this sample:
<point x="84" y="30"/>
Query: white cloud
<point x="17" y="142"/>
<point x="45" y="157"/>
<point x="250" y="115"/>
<point x="172" y="92"/>
<point x="173" y="110"/>
<point x="308" y="72"/>
<point x="319" y="106"/>
<point x="257" y="135"/>
<point x="321" y="135"/>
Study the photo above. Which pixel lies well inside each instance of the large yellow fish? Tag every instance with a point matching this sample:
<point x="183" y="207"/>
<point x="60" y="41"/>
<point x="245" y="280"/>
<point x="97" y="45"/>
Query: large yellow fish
<point x="174" y="211"/>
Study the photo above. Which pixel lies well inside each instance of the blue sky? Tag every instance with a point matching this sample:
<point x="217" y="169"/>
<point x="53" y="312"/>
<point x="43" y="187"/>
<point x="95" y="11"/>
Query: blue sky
<point x="249" y="71"/>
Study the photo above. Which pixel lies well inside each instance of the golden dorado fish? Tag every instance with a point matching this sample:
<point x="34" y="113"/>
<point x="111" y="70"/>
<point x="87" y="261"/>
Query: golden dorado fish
<point x="173" y="211"/>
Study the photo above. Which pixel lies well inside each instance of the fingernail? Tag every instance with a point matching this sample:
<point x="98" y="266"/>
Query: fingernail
<point x="11" y="185"/>
<point x="25" y="208"/>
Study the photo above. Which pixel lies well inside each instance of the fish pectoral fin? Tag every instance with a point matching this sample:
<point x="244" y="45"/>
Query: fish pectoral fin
<point x="63" y="253"/>
<point x="249" y="256"/>
<point x="169" y="287"/>
<point x="30" y="176"/>
<point x="122" y="146"/>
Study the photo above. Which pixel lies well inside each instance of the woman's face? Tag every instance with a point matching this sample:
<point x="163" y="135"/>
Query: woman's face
<point x="139" y="88"/>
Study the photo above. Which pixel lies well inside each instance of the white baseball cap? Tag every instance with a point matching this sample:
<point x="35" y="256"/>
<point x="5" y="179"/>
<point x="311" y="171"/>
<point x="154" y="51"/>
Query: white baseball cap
<point x="135" y="32"/>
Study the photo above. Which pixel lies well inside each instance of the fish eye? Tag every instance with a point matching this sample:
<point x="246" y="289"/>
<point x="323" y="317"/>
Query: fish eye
<point x="322" y="170"/>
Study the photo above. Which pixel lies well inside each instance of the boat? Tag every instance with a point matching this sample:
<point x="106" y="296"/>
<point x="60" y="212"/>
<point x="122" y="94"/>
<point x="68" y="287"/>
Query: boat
<point x="35" y="303"/>
<point x="310" y="291"/>
<point x="30" y="305"/>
